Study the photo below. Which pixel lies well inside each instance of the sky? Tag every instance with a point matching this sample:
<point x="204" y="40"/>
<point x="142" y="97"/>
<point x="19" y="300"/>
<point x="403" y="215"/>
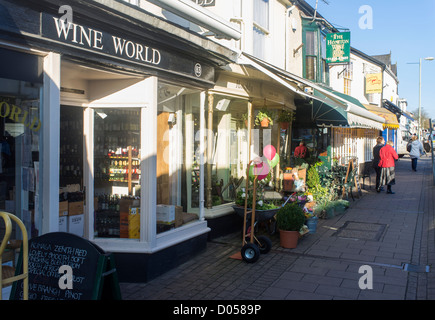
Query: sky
<point x="404" y="28"/>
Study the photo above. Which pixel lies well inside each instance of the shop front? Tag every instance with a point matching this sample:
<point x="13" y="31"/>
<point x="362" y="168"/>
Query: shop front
<point x="103" y="128"/>
<point x="243" y="94"/>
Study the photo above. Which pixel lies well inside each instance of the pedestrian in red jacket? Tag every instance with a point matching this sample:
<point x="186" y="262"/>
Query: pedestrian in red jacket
<point x="301" y="151"/>
<point x="388" y="156"/>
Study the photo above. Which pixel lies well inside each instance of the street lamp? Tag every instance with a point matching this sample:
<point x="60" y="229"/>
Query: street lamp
<point x="419" y="91"/>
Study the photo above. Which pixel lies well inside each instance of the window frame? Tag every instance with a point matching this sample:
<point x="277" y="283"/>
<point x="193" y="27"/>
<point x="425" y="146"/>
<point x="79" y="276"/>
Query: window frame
<point x="308" y="27"/>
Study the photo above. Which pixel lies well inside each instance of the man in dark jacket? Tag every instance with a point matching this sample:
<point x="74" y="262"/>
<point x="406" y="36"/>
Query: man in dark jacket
<point x="379" y="144"/>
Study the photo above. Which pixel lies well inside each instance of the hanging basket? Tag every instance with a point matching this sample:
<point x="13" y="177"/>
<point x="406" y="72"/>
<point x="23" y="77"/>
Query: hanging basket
<point x="264" y="123"/>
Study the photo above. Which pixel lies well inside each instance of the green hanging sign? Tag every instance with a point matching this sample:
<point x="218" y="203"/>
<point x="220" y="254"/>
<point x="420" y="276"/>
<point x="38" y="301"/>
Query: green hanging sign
<point x="338" y="48"/>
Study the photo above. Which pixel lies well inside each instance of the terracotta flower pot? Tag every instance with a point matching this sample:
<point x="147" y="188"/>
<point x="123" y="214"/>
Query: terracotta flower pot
<point x="285" y="125"/>
<point x="264" y="123"/>
<point x="288" y="239"/>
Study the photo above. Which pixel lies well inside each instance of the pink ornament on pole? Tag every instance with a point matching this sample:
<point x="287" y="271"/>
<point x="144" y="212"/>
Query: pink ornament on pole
<point x="269" y="151"/>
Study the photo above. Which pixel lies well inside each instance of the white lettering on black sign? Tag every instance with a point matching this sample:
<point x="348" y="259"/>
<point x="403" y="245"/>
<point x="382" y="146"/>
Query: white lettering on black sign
<point x="61" y="266"/>
<point x="96" y="40"/>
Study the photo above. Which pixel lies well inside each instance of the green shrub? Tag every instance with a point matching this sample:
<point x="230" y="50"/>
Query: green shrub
<point x="290" y="218"/>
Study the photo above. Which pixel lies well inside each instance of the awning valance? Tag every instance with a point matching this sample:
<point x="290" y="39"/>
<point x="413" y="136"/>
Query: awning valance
<point x="330" y="108"/>
<point x="390" y="118"/>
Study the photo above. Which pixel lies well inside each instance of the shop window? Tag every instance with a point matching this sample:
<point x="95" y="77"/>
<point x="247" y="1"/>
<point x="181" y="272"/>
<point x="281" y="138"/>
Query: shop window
<point x="117" y="172"/>
<point x="178" y="157"/>
<point x="228" y="155"/>
<point x="20" y="129"/>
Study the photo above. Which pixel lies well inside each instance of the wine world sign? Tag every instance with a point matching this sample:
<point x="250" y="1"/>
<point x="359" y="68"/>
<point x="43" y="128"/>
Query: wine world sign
<point x="102" y="42"/>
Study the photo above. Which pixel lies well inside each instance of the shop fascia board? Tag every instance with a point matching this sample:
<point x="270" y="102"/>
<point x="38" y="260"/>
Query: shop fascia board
<point x="279" y="75"/>
<point x="259" y="84"/>
<point x="138" y="17"/>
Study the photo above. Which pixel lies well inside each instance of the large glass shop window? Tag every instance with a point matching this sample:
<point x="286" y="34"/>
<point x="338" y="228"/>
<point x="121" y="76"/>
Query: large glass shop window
<point x="178" y="157"/>
<point x="117" y="173"/>
<point x="20" y="128"/>
<point x="229" y="141"/>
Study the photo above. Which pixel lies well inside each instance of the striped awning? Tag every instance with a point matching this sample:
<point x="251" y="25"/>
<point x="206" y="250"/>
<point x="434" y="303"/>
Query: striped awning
<point x="390" y="118"/>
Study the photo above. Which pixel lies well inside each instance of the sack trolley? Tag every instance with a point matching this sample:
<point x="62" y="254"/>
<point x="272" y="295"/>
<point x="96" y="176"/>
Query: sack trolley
<point x="252" y="246"/>
<point x="7" y="217"/>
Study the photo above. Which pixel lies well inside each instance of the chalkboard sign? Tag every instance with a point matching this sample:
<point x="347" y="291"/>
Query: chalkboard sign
<point x="48" y="256"/>
<point x="352" y="166"/>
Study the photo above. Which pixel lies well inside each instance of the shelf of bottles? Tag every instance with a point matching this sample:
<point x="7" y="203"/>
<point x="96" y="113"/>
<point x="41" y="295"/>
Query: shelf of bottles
<point x="116" y="166"/>
<point x="107" y="216"/>
<point x="124" y="165"/>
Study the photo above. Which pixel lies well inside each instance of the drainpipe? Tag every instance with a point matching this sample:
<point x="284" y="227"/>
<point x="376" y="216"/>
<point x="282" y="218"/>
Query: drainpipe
<point x="198" y="15"/>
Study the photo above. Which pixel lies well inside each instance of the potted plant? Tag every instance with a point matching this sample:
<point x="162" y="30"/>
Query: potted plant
<point x="264" y="118"/>
<point x="289" y="220"/>
<point x="285" y="118"/>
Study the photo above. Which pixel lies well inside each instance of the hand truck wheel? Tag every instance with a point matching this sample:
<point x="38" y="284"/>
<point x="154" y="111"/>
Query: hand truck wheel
<point x="250" y="252"/>
<point x="264" y="244"/>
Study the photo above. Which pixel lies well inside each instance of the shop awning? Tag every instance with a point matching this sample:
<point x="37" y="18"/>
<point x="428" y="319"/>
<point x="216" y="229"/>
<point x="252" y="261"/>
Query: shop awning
<point x="396" y="110"/>
<point x="390" y="118"/>
<point x="329" y="108"/>
<point x="354" y="112"/>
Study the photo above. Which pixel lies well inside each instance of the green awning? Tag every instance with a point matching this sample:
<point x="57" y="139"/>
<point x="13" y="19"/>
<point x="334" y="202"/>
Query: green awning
<point x="327" y="112"/>
<point x="339" y="109"/>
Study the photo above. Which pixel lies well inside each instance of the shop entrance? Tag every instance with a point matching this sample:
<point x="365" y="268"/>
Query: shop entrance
<point x="99" y="151"/>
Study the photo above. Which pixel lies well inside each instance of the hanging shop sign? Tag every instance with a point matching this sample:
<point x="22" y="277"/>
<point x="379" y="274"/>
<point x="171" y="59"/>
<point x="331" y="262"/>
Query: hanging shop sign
<point x="374" y="83"/>
<point x="338" y="48"/>
<point x="119" y="47"/>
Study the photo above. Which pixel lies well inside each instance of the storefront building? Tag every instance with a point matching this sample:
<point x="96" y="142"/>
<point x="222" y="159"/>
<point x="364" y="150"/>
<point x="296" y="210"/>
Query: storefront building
<point x="103" y="128"/>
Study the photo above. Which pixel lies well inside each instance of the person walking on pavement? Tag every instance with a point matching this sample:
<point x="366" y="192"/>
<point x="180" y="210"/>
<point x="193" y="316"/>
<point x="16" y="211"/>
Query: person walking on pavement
<point x="387" y="163"/>
<point x="380" y="142"/>
<point x="416" y="151"/>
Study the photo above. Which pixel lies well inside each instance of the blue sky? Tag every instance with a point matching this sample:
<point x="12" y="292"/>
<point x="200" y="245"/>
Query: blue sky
<point x="403" y="27"/>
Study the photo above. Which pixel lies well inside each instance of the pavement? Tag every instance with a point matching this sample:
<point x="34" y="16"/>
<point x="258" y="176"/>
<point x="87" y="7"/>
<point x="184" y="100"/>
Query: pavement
<point x="381" y="248"/>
